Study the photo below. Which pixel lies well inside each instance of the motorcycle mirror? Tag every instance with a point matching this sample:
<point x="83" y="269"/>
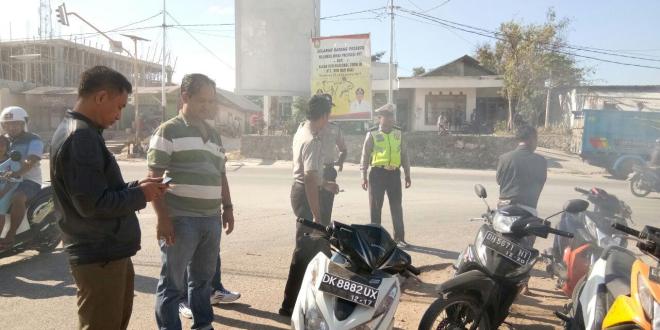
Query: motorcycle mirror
<point x="576" y="206"/>
<point x="480" y="191"/>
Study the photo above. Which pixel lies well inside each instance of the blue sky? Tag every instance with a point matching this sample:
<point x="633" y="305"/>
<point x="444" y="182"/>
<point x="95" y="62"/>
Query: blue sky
<point x="629" y="26"/>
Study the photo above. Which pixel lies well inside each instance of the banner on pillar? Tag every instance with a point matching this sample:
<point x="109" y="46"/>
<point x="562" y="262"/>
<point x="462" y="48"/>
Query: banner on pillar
<point x="341" y="67"/>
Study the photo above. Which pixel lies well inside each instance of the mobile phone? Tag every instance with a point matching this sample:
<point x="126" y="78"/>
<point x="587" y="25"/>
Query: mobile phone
<point x="167" y="180"/>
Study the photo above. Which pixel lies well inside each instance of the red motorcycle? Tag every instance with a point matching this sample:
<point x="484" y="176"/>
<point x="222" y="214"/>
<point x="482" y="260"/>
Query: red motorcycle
<point x="570" y="260"/>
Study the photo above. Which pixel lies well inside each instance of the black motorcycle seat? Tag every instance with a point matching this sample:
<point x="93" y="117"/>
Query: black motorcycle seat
<point x="617" y="272"/>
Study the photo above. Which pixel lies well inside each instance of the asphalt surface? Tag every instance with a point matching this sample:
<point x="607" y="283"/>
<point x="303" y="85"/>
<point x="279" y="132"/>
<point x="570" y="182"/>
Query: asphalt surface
<point x="37" y="292"/>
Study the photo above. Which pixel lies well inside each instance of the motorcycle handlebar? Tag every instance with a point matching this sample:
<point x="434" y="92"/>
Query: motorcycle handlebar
<point x="560" y="232"/>
<point x="582" y="191"/>
<point x="626" y="229"/>
<point x="313" y="225"/>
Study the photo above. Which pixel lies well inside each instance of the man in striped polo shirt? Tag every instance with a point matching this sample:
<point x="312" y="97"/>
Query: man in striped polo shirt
<point x="189" y="151"/>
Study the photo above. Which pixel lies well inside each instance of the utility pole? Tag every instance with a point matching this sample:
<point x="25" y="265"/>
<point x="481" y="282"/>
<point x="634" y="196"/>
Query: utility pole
<point x="163" y="99"/>
<point x="137" y="148"/>
<point x="390" y="69"/>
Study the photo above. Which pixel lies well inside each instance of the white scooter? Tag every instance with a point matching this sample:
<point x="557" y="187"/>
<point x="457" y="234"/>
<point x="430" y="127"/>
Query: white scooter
<point x="608" y="278"/>
<point x="359" y="286"/>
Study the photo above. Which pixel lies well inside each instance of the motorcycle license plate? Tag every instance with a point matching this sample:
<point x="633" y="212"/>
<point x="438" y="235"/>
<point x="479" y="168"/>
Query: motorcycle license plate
<point x="507" y="248"/>
<point x="347" y="285"/>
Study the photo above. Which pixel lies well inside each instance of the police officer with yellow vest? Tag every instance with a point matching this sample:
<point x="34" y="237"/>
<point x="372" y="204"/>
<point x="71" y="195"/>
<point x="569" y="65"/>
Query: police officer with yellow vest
<point x="385" y="151"/>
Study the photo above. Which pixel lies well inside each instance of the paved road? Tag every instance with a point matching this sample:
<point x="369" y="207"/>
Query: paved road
<point x="37" y="291"/>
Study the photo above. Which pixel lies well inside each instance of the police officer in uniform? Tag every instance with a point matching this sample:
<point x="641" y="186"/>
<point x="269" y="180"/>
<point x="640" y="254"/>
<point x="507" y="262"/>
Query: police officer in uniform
<point x="385" y="151"/>
<point x="332" y="142"/>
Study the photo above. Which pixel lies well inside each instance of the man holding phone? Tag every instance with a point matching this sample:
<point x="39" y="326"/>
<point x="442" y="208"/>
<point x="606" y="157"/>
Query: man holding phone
<point x="189" y="151"/>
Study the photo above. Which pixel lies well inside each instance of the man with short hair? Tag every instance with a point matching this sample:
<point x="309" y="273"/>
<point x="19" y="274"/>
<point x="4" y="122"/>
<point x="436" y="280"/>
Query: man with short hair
<point x="308" y="182"/>
<point x="384" y="150"/>
<point x="521" y="173"/>
<point x="334" y="154"/>
<point x="14" y="122"/>
<point x="100" y="230"/>
<point x="197" y="206"/>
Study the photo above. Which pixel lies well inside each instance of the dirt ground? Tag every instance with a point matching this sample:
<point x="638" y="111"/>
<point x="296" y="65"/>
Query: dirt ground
<point x="534" y="311"/>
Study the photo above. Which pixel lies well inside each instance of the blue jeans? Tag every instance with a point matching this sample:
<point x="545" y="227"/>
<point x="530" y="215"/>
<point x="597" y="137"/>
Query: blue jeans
<point x="196" y="248"/>
<point x="216" y="282"/>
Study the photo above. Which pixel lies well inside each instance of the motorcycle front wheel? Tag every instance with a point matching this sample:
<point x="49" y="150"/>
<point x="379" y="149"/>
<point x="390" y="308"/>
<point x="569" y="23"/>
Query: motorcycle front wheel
<point x="454" y="312"/>
<point x="636" y="186"/>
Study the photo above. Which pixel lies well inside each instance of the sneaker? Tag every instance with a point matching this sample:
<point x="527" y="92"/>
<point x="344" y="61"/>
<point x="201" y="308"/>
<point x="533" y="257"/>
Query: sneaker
<point x="184" y="310"/>
<point x="224" y="296"/>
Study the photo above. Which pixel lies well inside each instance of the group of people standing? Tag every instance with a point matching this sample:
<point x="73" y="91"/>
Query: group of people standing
<point x="100" y="229"/>
<point x="189" y="191"/>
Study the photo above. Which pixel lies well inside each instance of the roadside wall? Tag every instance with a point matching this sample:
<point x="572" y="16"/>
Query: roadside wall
<point x="424" y="149"/>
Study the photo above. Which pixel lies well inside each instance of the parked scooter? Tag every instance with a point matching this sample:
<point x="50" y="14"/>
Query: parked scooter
<point x="38" y="230"/>
<point x="491" y="272"/>
<point x="644" y="181"/>
<point x="569" y="260"/>
<point x="621" y="291"/>
<point x="359" y="286"/>
<point x="642" y="307"/>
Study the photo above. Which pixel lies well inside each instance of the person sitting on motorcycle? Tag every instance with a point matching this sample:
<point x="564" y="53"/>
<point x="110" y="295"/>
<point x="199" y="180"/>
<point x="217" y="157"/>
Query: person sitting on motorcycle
<point x="14" y="123"/>
<point x="9" y="162"/>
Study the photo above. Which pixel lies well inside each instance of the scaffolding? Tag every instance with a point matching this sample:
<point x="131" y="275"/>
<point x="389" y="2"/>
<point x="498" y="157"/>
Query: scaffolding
<point x="59" y="63"/>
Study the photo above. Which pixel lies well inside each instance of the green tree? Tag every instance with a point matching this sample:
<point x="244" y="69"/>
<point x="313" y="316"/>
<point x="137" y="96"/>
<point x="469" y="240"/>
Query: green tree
<point x="418" y="71"/>
<point x="530" y="59"/>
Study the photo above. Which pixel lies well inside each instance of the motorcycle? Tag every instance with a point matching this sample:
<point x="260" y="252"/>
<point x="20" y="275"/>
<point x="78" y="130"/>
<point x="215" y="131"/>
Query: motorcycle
<point x="569" y="260"/>
<point x="621" y="291"/>
<point x="359" y="286"/>
<point x="642" y="307"/>
<point x="38" y="229"/>
<point x="491" y="272"/>
<point x="644" y="181"/>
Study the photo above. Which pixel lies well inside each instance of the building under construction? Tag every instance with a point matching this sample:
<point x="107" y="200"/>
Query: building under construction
<point x="59" y="63"/>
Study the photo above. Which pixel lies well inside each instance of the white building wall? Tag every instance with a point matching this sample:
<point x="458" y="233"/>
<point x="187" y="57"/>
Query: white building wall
<point x="419" y="105"/>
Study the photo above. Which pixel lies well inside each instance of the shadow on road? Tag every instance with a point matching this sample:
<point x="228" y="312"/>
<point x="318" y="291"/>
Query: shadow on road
<point x="44" y="276"/>
<point x="417" y="288"/>
<point x="248" y="310"/>
<point x="445" y="254"/>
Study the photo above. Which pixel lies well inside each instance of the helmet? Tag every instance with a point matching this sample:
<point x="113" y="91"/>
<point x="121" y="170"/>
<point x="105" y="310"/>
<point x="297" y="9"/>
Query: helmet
<point x="13" y="113"/>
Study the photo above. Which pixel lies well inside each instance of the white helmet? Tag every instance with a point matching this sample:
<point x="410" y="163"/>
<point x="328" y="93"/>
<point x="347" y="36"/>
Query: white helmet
<point x="13" y="113"/>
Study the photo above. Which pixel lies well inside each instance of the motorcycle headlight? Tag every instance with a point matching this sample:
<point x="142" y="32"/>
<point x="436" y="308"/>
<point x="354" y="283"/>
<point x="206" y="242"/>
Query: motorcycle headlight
<point x="313" y="317"/>
<point x="502" y="223"/>
<point x="387" y="302"/>
<point x="645" y="297"/>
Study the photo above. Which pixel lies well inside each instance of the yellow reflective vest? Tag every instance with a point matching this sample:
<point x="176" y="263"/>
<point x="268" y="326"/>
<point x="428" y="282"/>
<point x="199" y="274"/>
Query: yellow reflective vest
<point x="387" y="148"/>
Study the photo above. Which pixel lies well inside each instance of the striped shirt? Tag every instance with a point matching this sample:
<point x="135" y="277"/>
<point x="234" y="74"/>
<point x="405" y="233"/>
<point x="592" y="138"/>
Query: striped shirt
<point x="196" y="167"/>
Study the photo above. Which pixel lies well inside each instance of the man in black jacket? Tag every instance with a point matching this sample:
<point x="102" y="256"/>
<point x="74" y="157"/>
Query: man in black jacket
<point x="99" y="226"/>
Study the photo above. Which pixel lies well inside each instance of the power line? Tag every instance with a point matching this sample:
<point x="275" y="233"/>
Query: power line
<point x="496" y="35"/>
<point x="446" y="28"/>
<point x="355" y="13"/>
<point x="436" y="7"/>
<point x="192" y="25"/>
<point x="138" y="22"/>
<point x="568" y="46"/>
<point x="415" y="5"/>
<point x="180" y="26"/>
